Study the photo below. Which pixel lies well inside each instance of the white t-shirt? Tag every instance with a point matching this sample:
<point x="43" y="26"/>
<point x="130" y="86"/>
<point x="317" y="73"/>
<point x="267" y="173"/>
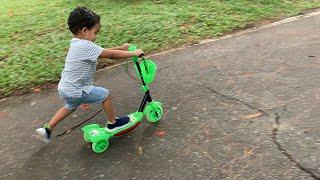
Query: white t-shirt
<point x="80" y="67"/>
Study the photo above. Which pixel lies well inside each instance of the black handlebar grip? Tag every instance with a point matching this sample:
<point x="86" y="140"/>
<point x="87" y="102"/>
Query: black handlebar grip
<point x="141" y="55"/>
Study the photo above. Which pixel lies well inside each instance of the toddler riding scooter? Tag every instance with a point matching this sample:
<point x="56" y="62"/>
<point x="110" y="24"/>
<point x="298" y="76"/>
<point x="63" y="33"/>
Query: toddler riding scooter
<point x="99" y="136"/>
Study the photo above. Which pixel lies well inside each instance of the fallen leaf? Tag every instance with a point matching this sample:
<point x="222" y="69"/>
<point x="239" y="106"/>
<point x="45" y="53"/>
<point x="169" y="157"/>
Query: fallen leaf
<point x="160" y="133"/>
<point x="37" y="90"/>
<point x="33" y="103"/>
<point x="204" y="65"/>
<point x="184" y="26"/>
<point x="10" y="13"/>
<point x="248" y="152"/>
<point x="252" y="116"/>
<point x="248" y="74"/>
<point x="206" y="131"/>
<point x="140" y="150"/>
<point x="230" y="81"/>
<point x="3" y="114"/>
<point x="85" y="107"/>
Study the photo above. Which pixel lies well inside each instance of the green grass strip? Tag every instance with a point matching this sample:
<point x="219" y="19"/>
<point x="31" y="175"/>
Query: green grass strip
<point x="34" y="37"/>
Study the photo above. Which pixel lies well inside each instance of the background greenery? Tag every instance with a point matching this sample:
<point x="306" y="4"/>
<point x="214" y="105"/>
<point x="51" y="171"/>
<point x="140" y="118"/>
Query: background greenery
<point x="34" y="37"/>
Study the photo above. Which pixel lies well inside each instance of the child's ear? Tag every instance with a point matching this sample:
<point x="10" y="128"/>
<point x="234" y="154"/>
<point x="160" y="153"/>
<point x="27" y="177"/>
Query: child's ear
<point x="84" y="30"/>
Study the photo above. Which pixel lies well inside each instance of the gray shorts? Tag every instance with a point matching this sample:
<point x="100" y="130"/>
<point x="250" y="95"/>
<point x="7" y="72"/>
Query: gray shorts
<point x="97" y="95"/>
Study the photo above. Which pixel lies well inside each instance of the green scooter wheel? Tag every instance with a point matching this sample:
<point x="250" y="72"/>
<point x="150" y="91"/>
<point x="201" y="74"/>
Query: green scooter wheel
<point x="100" y="146"/>
<point x="153" y="111"/>
<point x="85" y="137"/>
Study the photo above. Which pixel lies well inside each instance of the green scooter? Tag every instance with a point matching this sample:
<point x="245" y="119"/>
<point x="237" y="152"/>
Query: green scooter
<point x="99" y="136"/>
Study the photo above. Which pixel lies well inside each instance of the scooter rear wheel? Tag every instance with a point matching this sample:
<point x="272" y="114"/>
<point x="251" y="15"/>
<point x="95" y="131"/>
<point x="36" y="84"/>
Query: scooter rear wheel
<point x="85" y="137"/>
<point x="100" y="146"/>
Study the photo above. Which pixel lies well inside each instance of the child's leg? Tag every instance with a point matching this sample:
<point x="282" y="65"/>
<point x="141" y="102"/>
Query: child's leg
<point x="44" y="132"/>
<point x="59" y="116"/>
<point x="102" y="95"/>
<point x="108" y="109"/>
<point x="113" y="123"/>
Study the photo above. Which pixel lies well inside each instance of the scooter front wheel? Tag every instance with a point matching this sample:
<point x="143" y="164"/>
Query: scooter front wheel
<point x="153" y="111"/>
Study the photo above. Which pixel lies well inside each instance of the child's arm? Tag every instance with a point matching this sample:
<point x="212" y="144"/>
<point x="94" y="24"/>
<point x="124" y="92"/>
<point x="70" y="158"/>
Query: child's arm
<point x="119" y="54"/>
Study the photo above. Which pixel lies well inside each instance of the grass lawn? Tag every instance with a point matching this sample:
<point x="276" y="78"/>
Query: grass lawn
<point x="34" y="37"/>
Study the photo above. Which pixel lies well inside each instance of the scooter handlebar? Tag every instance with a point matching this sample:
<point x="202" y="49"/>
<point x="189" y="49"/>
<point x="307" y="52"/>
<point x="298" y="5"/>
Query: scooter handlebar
<point x="132" y="48"/>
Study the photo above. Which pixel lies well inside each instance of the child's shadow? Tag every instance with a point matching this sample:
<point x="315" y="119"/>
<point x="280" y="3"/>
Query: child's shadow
<point x="71" y="156"/>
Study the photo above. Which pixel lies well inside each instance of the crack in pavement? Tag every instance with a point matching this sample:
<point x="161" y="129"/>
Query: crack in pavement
<point x="274" y="132"/>
<point x="284" y="151"/>
<point x="238" y="100"/>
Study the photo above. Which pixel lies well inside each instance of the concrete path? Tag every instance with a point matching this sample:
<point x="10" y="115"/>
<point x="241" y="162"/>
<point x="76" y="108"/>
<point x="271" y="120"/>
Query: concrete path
<point x="244" y="107"/>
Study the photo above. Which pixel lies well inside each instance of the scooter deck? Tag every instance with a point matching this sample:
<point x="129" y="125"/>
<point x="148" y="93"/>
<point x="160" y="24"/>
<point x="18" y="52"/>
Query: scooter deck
<point x="135" y="119"/>
<point x="125" y="131"/>
<point x="94" y="132"/>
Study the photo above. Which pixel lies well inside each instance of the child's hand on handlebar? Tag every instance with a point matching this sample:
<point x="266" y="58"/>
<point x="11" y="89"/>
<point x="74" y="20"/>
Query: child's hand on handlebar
<point x="139" y="52"/>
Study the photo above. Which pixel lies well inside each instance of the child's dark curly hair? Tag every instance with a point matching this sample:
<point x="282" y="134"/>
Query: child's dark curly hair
<point x="82" y="17"/>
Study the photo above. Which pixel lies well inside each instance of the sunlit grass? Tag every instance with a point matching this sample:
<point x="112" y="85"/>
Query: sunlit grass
<point x="34" y="37"/>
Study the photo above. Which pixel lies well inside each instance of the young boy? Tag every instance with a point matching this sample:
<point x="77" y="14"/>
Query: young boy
<point x="75" y="86"/>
